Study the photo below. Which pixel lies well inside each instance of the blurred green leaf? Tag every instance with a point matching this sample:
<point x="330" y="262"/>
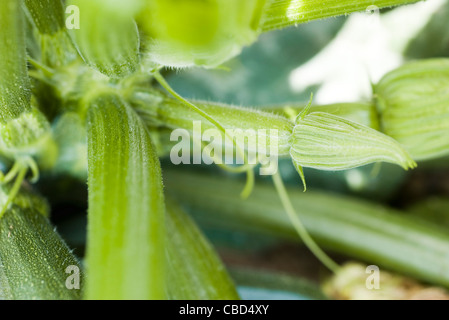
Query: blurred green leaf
<point x="434" y="209"/>
<point x="199" y="33"/>
<point x="260" y="75"/>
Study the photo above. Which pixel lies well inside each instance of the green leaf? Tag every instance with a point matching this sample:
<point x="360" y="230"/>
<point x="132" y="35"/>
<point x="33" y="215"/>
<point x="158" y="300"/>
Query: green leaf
<point x="108" y="38"/>
<point x="15" y="90"/>
<point x="195" y="272"/>
<point x="125" y="249"/>
<point x="283" y="13"/>
<point x="33" y="257"/>
<point x="359" y="229"/>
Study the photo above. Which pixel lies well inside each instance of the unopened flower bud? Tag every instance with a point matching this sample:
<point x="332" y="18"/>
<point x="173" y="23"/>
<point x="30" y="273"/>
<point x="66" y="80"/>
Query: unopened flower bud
<point x="413" y="103"/>
<point x="328" y="142"/>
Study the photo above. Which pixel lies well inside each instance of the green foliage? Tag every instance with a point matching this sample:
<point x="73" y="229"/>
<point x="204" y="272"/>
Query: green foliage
<point x="179" y="37"/>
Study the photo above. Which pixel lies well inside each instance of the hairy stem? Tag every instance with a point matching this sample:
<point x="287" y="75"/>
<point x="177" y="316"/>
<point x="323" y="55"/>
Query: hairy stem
<point x="283" y="13"/>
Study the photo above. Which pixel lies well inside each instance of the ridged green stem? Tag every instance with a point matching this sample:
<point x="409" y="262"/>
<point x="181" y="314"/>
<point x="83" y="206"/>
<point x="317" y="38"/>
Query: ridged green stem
<point x="126" y="226"/>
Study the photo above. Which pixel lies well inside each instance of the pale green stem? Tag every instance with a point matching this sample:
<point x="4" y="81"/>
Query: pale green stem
<point x="32" y="165"/>
<point x="249" y="172"/>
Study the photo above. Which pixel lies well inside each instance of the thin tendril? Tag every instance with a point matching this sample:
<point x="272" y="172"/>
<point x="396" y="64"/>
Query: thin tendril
<point x="226" y="167"/>
<point x="46" y="70"/>
<point x="249" y="172"/>
<point x="167" y="87"/>
<point x="15" y="189"/>
<point x="34" y="169"/>
<point x="299" y="227"/>
<point x="40" y="77"/>
<point x="12" y="173"/>
<point x="19" y="171"/>
<point x="250" y="180"/>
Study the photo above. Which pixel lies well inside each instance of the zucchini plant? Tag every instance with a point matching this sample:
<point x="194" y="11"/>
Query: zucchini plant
<point x="83" y="93"/>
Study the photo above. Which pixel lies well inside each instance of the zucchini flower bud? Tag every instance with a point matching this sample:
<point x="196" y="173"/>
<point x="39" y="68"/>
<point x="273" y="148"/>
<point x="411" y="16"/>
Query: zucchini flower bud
<point x="328" y="142"/>
<point x="413" y="103"/>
